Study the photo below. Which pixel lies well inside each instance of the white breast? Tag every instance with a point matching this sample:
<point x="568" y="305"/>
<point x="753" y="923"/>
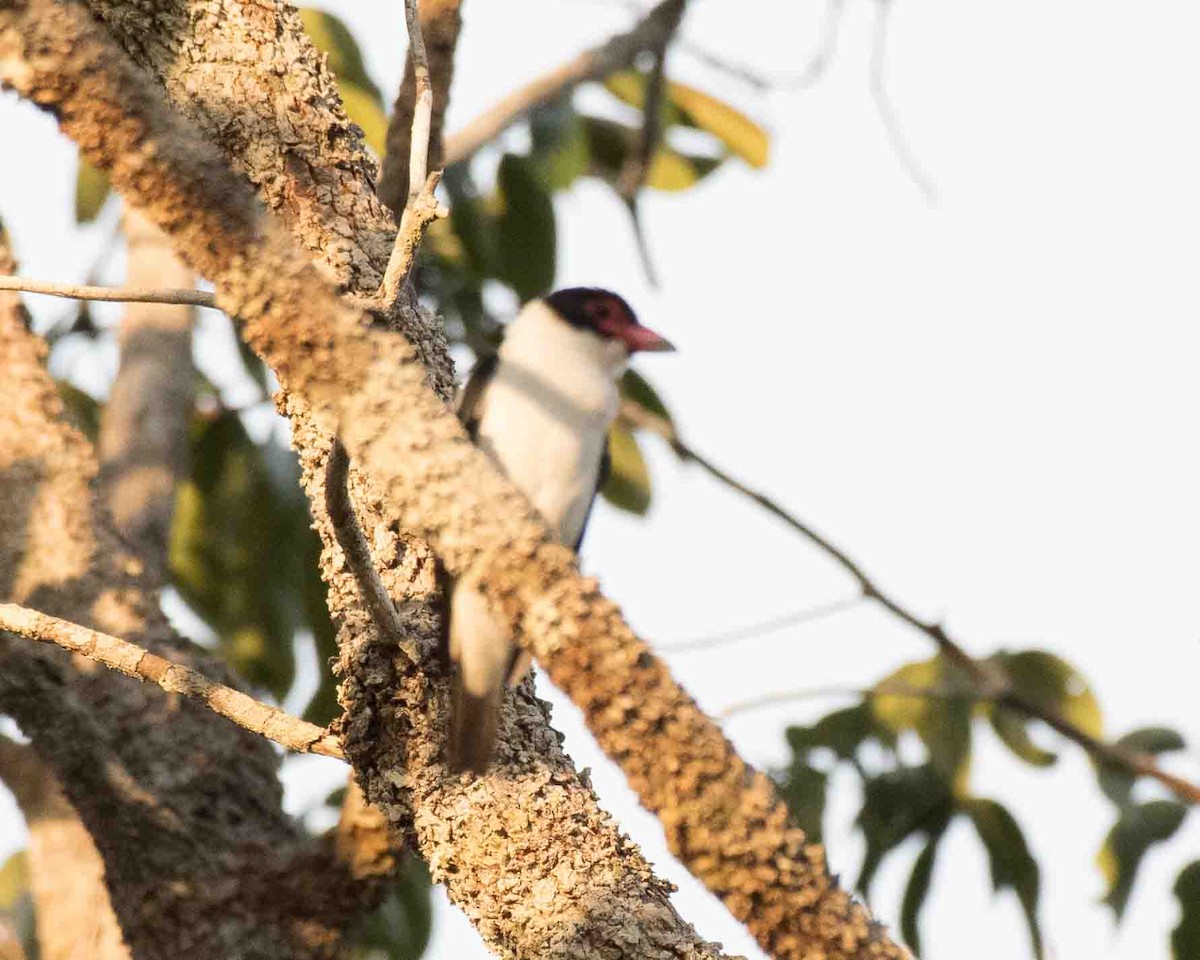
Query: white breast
<point x="547" y="412"/>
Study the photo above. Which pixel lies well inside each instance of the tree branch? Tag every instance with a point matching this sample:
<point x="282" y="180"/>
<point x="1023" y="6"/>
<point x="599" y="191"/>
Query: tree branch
<point x="418" y="155"/>
<point x="594" y="64"/>
<point x="75" y="291"/>
<point x="131" y="660"/>
<point x="724" y="819"/>
<point x="439" y="23"/>
<point x="988" y="678"/>
<point x="418" y="214"/>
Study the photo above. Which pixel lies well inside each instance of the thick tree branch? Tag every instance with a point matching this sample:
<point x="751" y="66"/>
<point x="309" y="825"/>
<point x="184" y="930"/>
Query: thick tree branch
<point x="594" y="64"/>
<point x="723" y="818"/>
<point x="439" y="22"/>
<point x="131" y="660"/>
<point x="988" y="678"/>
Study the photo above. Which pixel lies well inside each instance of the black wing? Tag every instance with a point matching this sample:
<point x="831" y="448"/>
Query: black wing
<point x="601" y="480"/>
<point x="470" y="403"/>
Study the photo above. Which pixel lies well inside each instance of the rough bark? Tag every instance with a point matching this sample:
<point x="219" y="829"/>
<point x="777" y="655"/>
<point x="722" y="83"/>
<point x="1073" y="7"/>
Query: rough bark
<point x="74" y="914"/>
<point x="183" y="807"/>
<point x="440" y="23"/>
<point x="723" y="818"/>
<point x="144" y="430"/>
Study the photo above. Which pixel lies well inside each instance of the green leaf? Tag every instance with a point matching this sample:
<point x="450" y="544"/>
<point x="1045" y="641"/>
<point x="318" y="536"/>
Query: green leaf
<point x="842" y="731"/>
<point x="1137" y="829"/>
<point x="83" y="410"/>
<point x="803" y="790"/>
<point x="610" y="145"/>
<point x="1013" y="730"/>
<point x="1012" y="865"/>
<point x="230" y="556"/>
<point x="896" y="805"/>
<point x="365" y="109"/>
<point x="628" y="486"/>
<point x="1117" y="782"/>
<point x="915" y="893"/>
<point x="399" y="927"/>
<point x="637" y="388"/>
<point x="91" y="190"/>
<point x="527" y="240"/>
<point x="941" y="719"/>
<point x="1185" y="938"/>
<point x="560" y="144"/>
<point x="333" y="38"/>
<point x="1055" y="685"/>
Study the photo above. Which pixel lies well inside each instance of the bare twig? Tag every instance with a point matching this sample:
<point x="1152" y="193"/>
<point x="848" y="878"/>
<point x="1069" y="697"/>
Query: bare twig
<point x="418" y="147"/>
<point x="883" y="104"/>
<point x="418" y="214"/>
<point x="192" y="298"/>
<point x="615" y="54"/>
<point x="988" y="678"/>
<point x="793" y="619"/>
<point x="354" y="545"/>
<point x="133" y="661"/>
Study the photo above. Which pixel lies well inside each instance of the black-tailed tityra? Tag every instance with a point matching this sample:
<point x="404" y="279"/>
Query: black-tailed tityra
<point x="540" y="408"/>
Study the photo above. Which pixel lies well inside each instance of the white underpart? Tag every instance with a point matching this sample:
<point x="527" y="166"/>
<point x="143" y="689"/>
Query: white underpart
<point x="545" y="419"/>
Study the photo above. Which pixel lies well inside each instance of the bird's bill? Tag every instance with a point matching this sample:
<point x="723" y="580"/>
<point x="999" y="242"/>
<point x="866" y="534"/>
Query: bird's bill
<point x="639" y="339"/>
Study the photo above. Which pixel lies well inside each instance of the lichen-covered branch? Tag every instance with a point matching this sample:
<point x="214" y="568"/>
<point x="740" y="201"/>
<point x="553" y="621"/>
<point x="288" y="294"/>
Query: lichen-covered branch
<point x="131" y="660"/>
<point x="143" y="442"/>
<point x="722" y="818"/>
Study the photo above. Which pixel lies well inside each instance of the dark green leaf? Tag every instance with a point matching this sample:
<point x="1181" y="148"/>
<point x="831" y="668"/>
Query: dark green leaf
<point x="560" y="144"/>
<point x="1137" y="829"/>
<point x="803" y="789"/>
<point x="399" y="927"/>
<point x="923" y="697"/>
<point x="231" y="559"/>
<point x="82" y="409"/>
<point x="1117" y="782"/>
<point x="635" y="387"/>
<point x="896" y="805"/>
<point x="842" y="731"/>
<point x="526" y="235"/>
<point x="1055" y="685"/>
<point x="91" y="191"/>
<point x="1185" y="938"/>
<point x="333" y="38"/>
<point x="915" y="893"/>
<point x="1012" y="865"/>
<point x="473" y="225"/>
<point x="1013" y="730"/>
<point x="610" y="144"/>
<point x="628" y="486"/>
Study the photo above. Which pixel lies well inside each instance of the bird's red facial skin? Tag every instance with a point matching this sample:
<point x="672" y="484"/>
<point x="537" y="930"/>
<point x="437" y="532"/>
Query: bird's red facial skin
<point x="610" y="319"/>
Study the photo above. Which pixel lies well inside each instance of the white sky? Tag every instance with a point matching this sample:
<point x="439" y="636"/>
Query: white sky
<point x="987" y="400"/>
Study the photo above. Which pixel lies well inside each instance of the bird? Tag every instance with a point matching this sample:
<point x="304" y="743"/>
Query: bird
<point x="540" y="408"/>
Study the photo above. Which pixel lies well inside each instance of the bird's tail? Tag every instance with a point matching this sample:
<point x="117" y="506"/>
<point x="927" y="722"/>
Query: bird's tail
<point x="473" y="726"/>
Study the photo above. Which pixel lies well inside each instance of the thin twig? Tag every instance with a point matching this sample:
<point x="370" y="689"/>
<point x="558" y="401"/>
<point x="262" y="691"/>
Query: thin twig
<point x="883" y="104"/>
<point x="418" y="214"/>
<point x="793" y="619"/>
<point x="191" y="298"/>
<point x="615" y="54"/>
<point x="131" y="660"/>
<point x="354" y="545"/>
<point x="988" y="678"/>
<point x="418" y="155"/>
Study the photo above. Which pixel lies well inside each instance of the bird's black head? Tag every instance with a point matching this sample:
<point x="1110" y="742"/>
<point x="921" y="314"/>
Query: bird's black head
<point x="606" y="315"/>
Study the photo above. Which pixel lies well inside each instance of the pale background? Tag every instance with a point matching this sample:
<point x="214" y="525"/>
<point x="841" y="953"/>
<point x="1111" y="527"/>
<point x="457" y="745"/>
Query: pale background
<point x="990" y="400"/>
